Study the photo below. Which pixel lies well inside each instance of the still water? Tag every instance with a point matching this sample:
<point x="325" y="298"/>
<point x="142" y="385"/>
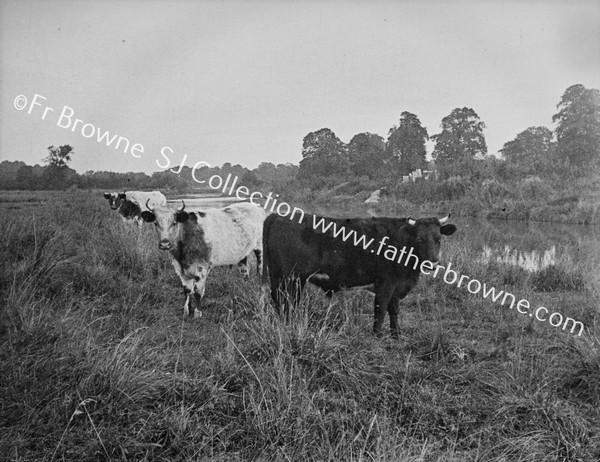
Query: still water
<point x="530" y="245"/>
<point x="203" y="201"/>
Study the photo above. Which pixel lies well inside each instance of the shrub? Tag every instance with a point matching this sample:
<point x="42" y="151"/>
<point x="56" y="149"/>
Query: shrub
<point x="533" y="188"/>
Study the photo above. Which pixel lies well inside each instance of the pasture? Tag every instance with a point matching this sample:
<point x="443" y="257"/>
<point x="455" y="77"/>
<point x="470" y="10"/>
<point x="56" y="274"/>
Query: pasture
<point x="98" y="362"/>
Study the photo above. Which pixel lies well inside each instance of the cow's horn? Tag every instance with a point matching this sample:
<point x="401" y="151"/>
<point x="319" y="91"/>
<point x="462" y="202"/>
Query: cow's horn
<point x="444" y="220"/>
<point x="183" y="206"/>
<point x="147" y="206"/>
<point x="411" y="222"/>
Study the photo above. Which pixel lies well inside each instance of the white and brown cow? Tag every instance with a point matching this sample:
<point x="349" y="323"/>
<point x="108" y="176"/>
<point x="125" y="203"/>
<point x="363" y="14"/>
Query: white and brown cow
<point x="199" y="240"/>
<point x="131" y="204"/>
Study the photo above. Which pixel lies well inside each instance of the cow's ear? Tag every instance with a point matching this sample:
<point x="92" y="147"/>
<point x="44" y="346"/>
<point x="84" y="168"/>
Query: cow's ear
<point x="106" y="195"/>
<point x="122" y="195"/>
<point x="448" y="230"/>
<point x="148" y="217"/>
<point x="181" y="217"/>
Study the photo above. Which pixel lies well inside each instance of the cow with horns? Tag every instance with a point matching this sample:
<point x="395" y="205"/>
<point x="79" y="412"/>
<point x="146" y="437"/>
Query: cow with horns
<point x="313" y="251"/>
<point x="199" y="240"/>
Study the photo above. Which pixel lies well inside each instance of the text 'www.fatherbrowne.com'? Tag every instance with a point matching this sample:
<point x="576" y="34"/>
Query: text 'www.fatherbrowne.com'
<point x="474" y="286"/>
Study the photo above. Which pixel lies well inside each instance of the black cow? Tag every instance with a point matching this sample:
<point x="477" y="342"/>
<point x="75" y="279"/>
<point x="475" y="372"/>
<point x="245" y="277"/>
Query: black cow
<point x="298" y="252"/>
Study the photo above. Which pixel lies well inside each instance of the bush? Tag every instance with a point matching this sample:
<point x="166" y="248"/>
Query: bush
<point x="533" y="188"/>
<point x="491" y="191"/>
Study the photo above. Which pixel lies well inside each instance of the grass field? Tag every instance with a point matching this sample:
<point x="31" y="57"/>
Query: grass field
<point x="98" y="364"/>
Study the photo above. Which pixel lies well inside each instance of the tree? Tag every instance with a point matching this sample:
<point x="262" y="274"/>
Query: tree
<point x="265" y="171"/>
<point x="406" y="144"/>
<point x="578" y="129"/>
<point x="250" y="180"/>
<point x="323" y="155"/>
<point x="25" y="179"/>
<point x="57" y="173"/>
<point x="531" y="149"/>
<point x="366" y="153"/>
<point x="59" y="157"/>
<point x="460" y="142"/>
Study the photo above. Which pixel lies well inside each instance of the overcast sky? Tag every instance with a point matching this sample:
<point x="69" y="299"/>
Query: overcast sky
<point x="245" y="82"/>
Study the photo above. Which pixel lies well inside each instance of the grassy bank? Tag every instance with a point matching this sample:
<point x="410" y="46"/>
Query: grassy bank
<point x="551" y="199"/>
<point x="98" y="363"/>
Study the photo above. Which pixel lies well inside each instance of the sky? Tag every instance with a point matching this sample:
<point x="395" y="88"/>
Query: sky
<point x="245" y="82"/>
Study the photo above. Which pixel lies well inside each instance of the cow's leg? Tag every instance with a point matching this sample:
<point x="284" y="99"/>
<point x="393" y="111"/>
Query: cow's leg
<point x="258" y="254"/>
<point x="383" y="295"/>
<point x="186" y="283"/>
<point x="393" y="312"/>
<point x="293" y="289"/>
<point x="401" y="292"/>
<point x="276" y="288"/>
<point x="243" y="266"/>
<point x="279" y="293"/>
<point x="199" y="288"/>
<point x="286" y="292"/>
<point x="188" y="288"/>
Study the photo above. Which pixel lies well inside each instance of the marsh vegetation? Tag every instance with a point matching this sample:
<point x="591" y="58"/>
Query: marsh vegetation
<point x="99" y="364"/>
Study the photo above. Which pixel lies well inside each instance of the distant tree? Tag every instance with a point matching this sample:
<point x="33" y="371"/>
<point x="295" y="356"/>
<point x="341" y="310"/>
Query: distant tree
<point x="8" y="174"/>
<point x="25" y="179"/>
<point x="460" y="142"/>
<point x="57" y="174"/>
<point x="251" y="180"/>
<point x="578" y="129"/>
<point x="59" y="157"/>
<point x="265" y="171"/>
<point x="532" y="149"/>
<point x="323" y="155"/>
<point x="405" y="145"/>
<point x="366" y="153"/>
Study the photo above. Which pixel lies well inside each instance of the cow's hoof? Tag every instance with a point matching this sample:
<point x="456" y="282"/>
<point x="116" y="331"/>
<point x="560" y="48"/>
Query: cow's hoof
<point x="197" y="314"/>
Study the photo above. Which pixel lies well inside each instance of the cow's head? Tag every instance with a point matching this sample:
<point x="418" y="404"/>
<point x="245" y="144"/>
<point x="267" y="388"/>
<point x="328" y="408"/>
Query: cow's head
<point x="426" y="234"/>
<point x="168" y="224"/>
<point x="112" y="199"/>
<point x="115" y="199"/>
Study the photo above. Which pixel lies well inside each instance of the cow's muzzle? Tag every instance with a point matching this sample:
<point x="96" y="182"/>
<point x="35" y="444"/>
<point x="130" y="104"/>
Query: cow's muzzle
<point x="162" y="245"/>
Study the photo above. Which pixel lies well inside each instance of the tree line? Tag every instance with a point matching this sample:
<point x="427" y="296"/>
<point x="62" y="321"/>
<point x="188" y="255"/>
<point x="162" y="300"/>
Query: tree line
<point x="460" y="150"/>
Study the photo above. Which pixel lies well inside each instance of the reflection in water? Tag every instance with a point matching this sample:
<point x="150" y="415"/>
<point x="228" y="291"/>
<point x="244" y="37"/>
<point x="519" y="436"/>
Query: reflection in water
<point x="533" y="246"/>
<point x="533" y="260"/>
<point x="203" y="201"/>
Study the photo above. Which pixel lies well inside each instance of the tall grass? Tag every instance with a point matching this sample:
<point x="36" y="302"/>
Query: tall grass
<point x="98" y="363"/>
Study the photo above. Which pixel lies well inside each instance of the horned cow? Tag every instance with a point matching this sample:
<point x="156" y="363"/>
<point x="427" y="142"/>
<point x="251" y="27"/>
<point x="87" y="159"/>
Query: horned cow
<point x="198" y="240"/>
<point x="295" y="253"/>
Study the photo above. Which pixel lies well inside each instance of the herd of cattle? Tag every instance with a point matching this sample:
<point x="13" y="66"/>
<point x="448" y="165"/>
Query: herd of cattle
<point x="288" y="253"/>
